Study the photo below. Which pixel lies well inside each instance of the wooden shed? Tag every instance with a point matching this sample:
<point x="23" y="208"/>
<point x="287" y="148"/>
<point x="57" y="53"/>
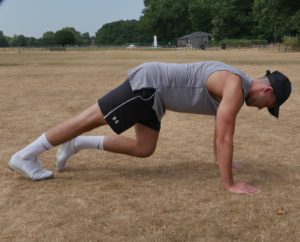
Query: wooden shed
<point x="197" y="40"/>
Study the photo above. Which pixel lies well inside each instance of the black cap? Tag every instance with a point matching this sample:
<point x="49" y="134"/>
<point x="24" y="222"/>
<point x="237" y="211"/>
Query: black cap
<point x="282" y="89"/>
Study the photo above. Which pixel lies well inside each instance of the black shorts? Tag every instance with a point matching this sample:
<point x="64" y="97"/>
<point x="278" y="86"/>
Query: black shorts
<point x="122" y="108"/>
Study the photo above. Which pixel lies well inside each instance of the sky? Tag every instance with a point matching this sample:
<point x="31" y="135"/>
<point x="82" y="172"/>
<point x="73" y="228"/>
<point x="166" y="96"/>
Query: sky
<point x="32" y="18"/>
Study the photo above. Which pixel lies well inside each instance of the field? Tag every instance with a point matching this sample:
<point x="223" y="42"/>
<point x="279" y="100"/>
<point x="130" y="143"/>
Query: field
<point x="173" y="196"/>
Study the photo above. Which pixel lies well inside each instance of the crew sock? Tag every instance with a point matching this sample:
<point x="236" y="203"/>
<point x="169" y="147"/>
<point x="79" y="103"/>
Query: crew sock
<point x="34" y="149"/>
<point x="88" y="142"/>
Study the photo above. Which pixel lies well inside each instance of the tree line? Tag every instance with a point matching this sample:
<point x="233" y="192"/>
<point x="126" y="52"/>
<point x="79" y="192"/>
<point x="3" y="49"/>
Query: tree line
<point x="65" y="36"/>
<point x="268" y="20"/>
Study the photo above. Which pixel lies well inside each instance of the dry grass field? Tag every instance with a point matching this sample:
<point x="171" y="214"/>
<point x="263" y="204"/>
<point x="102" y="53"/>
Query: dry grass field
<point x="175" y="195"/>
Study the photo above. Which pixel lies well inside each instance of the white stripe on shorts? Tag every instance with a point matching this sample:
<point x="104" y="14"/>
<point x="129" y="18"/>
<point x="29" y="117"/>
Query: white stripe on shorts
<point x="122" y="104"/>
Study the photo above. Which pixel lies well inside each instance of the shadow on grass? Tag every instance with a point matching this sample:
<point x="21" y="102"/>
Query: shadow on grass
<point x="175" y="171"/>
<point x="193" y="170"/>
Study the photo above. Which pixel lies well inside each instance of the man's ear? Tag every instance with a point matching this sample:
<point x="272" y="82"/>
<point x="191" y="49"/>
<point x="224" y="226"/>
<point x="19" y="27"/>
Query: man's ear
<point x="267" y="89"/>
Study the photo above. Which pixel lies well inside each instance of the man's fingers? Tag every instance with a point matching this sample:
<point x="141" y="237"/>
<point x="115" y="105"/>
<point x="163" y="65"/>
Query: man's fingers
<point x="251" y="190"/>
<point x="244" y="188"/>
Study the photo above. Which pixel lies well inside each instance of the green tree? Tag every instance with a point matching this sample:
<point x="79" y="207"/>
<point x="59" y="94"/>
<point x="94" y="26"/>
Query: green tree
<point x="3" y="40"/>
<point x="77" y="35"/>
<point x="168" y="19"/>
<point x="31" y="41"/>
<point x="48" y="38"/>
<point x="232" y="19"/>
<point x="64" y="37"/>
<point x="18" y="41"/>
<point x="86" y="39"/>
<point x="122" y="32"/>
<point x="294" y="24"/>
<point x="276" y="18"/>
<point x="201" y="15"/>
<point x="108" y="34"/>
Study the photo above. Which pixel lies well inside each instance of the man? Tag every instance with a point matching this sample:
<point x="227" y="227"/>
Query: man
<point x="211" y="88"/>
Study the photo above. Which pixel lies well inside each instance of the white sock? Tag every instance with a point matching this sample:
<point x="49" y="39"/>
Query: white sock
<point x="34" y="149"/>
<point x="88" y="142"/>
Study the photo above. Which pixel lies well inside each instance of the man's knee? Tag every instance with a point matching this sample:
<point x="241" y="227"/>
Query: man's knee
<point x="144" y="152"/>
<point x="146" y="140"/>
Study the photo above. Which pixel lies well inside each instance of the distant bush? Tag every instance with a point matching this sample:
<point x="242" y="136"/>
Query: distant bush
<point x="292" y="42"/>
<point x="242" y="42"/>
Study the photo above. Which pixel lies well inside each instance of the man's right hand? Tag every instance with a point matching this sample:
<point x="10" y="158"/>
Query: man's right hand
<point x="243" y="188"/>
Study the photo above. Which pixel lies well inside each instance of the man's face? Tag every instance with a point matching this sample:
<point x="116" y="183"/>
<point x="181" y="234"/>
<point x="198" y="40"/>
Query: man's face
<point x="264" y="98"/>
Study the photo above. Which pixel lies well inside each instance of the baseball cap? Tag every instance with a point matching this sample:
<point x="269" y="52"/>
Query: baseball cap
<point x="282" y="89"/>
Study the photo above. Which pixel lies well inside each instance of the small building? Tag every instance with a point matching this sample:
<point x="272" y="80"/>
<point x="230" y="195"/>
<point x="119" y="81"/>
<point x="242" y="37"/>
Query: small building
<point x="196" y="40"/>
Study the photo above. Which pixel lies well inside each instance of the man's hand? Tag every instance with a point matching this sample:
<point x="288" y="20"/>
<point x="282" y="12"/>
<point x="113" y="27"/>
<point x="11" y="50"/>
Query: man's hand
<point x="243" y="188"/>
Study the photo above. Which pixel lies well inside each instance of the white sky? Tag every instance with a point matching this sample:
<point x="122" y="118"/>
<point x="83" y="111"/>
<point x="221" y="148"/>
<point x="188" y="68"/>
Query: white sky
<point x="35" y="17"/>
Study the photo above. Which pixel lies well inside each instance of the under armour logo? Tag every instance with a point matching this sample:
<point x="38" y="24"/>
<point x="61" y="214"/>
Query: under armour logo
<point x="115" y="120"/>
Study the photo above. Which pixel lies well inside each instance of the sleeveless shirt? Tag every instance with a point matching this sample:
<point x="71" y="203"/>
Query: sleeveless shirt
<point x="182" y="87"/>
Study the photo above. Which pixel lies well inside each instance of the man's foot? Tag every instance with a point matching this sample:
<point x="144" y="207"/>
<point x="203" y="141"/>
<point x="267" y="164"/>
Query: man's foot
<point x="64" y="152"/>
<point x="29" y="168"/>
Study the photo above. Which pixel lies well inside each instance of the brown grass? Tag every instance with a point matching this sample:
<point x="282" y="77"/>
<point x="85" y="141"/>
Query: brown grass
<point x="176" y="194"/>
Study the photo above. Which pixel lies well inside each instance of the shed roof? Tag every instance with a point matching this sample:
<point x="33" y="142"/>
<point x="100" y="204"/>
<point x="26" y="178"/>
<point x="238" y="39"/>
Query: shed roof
<point x="194" y="35"/>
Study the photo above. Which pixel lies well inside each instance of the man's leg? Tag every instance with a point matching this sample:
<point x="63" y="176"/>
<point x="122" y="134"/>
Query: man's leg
<point x="26" y="160"/>
<point x="88" y="120"/>
<point x="143" y="145"/>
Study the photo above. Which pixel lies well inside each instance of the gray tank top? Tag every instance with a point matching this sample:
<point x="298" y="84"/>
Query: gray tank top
<point x="182" y="87"/>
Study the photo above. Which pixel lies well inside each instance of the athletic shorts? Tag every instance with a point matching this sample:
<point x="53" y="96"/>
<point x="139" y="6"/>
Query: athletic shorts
<point x="122" y="108"/>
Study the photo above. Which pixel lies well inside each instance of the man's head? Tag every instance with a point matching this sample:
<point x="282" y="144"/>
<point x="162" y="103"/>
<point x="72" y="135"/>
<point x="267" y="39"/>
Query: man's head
<point x="270" y="91"/>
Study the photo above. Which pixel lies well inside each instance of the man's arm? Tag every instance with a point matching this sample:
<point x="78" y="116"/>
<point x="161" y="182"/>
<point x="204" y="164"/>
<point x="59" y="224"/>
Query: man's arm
<point x="229" y="107"/>
<point x="235" y="165"/>
<point x="215" y="148"/>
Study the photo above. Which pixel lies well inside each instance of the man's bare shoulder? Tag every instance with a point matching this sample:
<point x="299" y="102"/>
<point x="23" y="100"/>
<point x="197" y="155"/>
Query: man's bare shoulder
<point x="220" y="81"/>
